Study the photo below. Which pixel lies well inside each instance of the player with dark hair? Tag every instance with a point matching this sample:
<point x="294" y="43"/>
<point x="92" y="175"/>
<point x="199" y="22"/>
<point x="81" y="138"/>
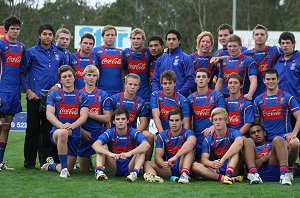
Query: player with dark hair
<point x="162" y="102"/>
<point x="238" y="63"/>
<point x="67" y="110"/>
<point x="79" y="60"/>
<point x="109" y="62"/>
<point x="126" y="149"/>
<point x="266" y="160"/>
<point x="39" y="73"/>
<point x="202" y="102"/>
<point x="156" y="47"/>
<point x="178" y="62"/>
<point x="173" y="153"/>
<point x="240" y="110"/>
<point x="11" y="52"/>
<point x="274" y="109"/>
<point x="265" y="56"/>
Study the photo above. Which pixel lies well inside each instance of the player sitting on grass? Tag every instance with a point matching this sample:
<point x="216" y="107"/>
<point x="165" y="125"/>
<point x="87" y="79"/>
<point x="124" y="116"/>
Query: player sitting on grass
<point x="267" y="161"/>
<point x="67" y="110"/>
<point x="123" y="156"/>
<point x="174" y="153"/>
<point x="220" y="151"/>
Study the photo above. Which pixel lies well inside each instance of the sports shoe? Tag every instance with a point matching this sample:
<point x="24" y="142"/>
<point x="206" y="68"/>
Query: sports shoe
<point x="150" y="177"/>
<point x="3" y="166"/>
<point x="100" y="175"/>
<point x="285" y="179"/>
<point x="64" y="173"/>
<point x="239" y="178"/>
<point x="254" y="178"/>
<point x="132" y="177"/>
<point x="291" y="175"/>
<point x="76" y="166"/>
<point x="184" y="178"/>
<point x="49" y="161"/>
<point x="227" y="180"/>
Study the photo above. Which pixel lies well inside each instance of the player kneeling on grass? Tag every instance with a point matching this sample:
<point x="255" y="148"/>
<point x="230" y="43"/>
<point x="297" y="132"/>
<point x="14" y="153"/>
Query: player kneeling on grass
<point x="123" y="156"/>
<point x="174" y="153"/>
<point x="220" y="158"/>
<point x="67" y="110"/>
<point x="267" y="161"/>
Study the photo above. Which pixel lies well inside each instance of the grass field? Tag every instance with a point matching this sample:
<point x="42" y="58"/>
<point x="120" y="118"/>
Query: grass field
<point x="35" y="183"/>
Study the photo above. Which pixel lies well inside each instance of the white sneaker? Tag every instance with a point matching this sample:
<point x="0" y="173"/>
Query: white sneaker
<point x="132" y="177"/>
<point x="77" y="166"/>
<point x="49" y="161"/>
<point x="3" y="166"/>
<point x="254" y="178"/>
<point x="153" y="178"/>
<point x="291" y="175"/>
<point x="64" y="173"/>
<point x="285" y="179"/>
<point x="100" y="175"/>
<point x="184" y="178"/>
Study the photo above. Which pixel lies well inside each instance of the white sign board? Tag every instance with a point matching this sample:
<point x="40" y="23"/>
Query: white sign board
<point x="273" y="37"/>
<point x="122" y="40"/>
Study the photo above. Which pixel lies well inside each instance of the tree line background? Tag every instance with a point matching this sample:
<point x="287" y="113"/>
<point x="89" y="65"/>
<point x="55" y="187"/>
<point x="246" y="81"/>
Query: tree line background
<point x="155" y="17"/>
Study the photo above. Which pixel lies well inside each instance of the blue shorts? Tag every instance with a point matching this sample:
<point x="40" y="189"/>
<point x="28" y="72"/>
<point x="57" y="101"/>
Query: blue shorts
<point x="10" y="103"/>
<point x="73" y="141"/>
<point x="175" y="169"/>
<point x="198" y="150"/>
<point x="281" y="135"/>
<point x="269" y="172"/>
<point x="85" y="148"/>
<point x="122" y="167"/>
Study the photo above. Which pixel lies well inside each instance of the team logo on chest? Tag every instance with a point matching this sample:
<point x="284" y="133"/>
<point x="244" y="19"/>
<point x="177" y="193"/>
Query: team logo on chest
<point x="176" y="61"/>
<point x="293" y="65"/>
<point x="241" y="64"/>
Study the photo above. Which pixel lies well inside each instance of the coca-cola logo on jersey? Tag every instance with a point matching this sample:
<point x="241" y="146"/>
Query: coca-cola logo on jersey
<point x="111" y="61"/>
<point x="132" y="118"/>
<point x="202" y="113"/>
<point x="94" y="111"/>
<point x="79" y="73"/>
<point x="139" y="66"/>
<point x="262" y="67"/>
<point x="234" y="119"/>
<point x="69" y="111"/>
<point x="275" y="112"/>
<point x="13" y="59"/>
<point x="164" y="113"/>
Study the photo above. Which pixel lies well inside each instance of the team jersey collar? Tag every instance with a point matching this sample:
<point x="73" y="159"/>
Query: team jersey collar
<point x="170" y="132"/>
<point x="215" y="134"/>
<point x="278" y="92"/>
<point x="85" y="91"/>
<point x="265" y="49"/>
<point x="123" y="96"/>
<point x="174" y="94"/>
<point x="69" y="92"/>
<point x="171" y="52"/>
<point x="208" y="90"/>
<point x="239" y="57"/>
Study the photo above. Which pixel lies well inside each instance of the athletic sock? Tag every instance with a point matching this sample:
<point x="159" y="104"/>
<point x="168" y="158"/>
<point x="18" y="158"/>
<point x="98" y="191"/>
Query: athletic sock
<point x="100" y="168"/>
<point x="284" y="169"/>
<point x="136" y="171"/>
<point x="229" y="171"/>
<point x="252" y="170"/>
<point x="2" y="150"/>
<point x="185" y="170"/>
<point x="221" y="178"/>
<point x="63" y="160"/>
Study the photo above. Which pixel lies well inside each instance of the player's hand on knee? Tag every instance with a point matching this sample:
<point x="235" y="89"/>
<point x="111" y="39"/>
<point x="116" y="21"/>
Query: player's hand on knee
<point x="86" y="135"/>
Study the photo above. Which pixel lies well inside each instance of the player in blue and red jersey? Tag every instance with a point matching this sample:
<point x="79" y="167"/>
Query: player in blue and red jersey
<point x="178" y="62"/>
<point x="62" y="40"/>
<point x="274" y="109"/>
<point x="201" y="58"/>
<point x="99" y="116"/>
<point x="202" y="102"/>
<point x="156" y="47"/>
<point x="265" y="56"/>
<point x="79" y="60"/>
<point x="223" y="31"/>
<point x="126" y="149"/>
<point x="220" y="150"/>
<point x="136" y="107"/>
<point x="162" y="102"/>
<point x="265" y="160"/>
<point x="67" y="110"/>
<point x="109" y="62"/>
<point x="39" y="72"/>
<point x="11" y="52"/>
<point x="238" y="63"/>
<point x="240" y="110"/>
<point x="137" y="60"/>
<point x="173" y="153"/>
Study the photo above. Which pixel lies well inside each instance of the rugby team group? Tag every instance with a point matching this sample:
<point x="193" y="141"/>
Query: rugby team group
<point x="219" y="116"/>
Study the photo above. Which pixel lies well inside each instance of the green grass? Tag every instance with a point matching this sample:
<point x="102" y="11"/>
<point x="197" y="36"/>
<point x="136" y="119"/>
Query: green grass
<point x="23" y="101"/>
<point x="35" y="183"/>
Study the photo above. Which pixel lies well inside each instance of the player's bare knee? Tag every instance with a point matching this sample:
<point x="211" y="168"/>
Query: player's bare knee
<point x="278" y="140"/>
